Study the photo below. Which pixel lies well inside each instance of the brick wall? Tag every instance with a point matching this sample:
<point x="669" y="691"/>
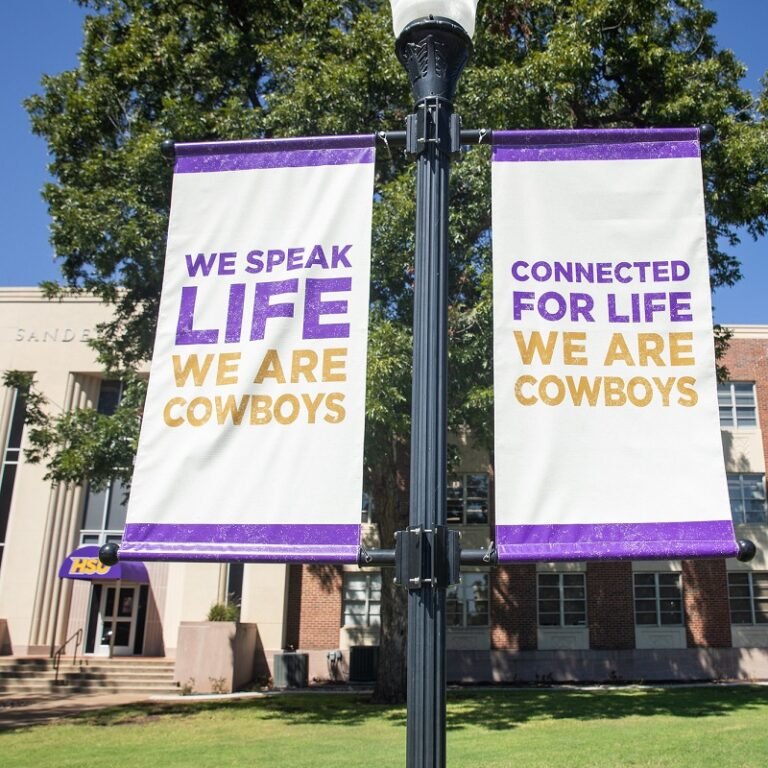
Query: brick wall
<point x="705" y="601"/>
<point x="610" y="607"/>
<point x="747" y="360"/>
<point x="513" y="608"/>
<point x="320" y="610"/>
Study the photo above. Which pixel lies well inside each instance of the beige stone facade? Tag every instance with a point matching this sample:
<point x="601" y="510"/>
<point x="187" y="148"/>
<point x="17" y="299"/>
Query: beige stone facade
<point x="45" y="523"/>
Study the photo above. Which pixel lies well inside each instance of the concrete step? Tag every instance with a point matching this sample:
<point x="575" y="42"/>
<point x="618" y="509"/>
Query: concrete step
<point x="132" y="662"/>
<point x="35" y="675"/>
<point x="30" y="688"/>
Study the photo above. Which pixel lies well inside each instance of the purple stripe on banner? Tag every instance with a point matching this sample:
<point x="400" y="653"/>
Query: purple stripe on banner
<point x="206" y="157"/>
<point x="636" y="541"/>
<point x="252" y="543"/>
<point x="616" y="144"/>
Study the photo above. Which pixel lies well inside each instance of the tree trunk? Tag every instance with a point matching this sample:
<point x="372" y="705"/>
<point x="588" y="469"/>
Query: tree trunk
<point x="389" y="489"/>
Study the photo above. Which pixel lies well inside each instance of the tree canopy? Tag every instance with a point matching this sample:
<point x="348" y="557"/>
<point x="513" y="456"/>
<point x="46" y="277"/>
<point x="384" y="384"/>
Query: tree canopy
<point x="189" y="70"/>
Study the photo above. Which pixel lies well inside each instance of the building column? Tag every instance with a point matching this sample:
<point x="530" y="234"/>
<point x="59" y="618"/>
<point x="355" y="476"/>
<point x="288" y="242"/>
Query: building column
<point x="610" y="607"/>
<point x="705" y="600"/>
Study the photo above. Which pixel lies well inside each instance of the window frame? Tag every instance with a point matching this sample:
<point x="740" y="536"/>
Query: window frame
<point x="466" y="498"/>
<point x="562" y="598"/>
<point x="373" y="584"/>
<point x="745" y="499"/>
<point x="658" y="598"/>
<point x="732" y="407"/>
<point x="110" y="394"/>
<point x="458" y="604"/>
<point x="102" y="535"/>
<point x="751" y="597"/>
<point x="11" y="459"/>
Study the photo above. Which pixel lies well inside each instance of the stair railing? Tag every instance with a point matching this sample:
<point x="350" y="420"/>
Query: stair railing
<point x="59" y="652"/>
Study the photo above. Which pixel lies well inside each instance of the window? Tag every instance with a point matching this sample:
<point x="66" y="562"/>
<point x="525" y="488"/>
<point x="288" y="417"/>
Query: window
<point x="10" y="460"/>
<point x="367" y="516"/>
<point x="105" y="510"/>
<point x="748" y="597"/>
<point x="467" y="499"/>
<point x="658" y="599"/>
<point x="562" y="599"/>
<point x="467" y="602"/>
<point x="235" y="573"/>
<point x="104" y="516"/>
<point x="747" y="495"/>
<point x="736" y="400"/>
<point x="362" y="599"/>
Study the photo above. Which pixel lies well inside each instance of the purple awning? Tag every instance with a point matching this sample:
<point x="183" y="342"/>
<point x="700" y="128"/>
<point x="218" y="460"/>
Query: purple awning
<point x="84" y="564"/>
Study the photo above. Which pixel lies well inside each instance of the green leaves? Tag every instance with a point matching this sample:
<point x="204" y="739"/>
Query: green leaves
<point x="231" y="69"/>
<point x="82" y="444"/>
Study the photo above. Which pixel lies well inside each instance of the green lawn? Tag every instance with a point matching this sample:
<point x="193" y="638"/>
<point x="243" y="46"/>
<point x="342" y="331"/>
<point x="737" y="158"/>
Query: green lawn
<point x="722" y="727"/>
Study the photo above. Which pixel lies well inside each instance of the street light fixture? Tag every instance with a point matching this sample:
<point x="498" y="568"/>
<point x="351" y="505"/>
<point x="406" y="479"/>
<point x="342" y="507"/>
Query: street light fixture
<point x="433" y="44"/>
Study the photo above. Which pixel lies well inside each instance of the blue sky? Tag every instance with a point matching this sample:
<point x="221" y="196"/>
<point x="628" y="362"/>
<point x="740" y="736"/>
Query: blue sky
<point x="43" y="37"/>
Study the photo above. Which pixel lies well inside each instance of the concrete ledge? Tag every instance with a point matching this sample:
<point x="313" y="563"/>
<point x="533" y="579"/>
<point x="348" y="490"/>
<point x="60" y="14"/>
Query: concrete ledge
<point x="217" y="656"/>
<point x="683" y="664"/>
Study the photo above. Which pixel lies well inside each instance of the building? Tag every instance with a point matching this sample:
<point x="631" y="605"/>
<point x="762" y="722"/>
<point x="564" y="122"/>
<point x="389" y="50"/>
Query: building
<point x="616" y="620"/>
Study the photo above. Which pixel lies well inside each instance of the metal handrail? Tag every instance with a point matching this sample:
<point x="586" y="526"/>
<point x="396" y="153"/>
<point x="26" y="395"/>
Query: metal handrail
<point x="59" y="652"/>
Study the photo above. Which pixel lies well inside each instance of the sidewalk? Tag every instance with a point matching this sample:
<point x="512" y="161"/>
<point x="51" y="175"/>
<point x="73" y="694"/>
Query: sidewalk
<point x="20" y="711"/>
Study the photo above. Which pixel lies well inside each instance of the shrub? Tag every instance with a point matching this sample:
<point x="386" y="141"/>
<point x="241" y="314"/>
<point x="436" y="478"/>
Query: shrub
<point x="224" y="612"/>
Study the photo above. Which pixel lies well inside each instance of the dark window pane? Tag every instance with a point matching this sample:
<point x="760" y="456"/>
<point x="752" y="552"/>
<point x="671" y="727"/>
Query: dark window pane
<point x="93" y="519"/>
<point x="477" y="513"/>
<point x="477" y="485"/>
<point x="125" y="605"/>
<point x="110" y="601"/>
<point x="109" y="396"/>
<point x="6" y="496"/>
<point x="17" y="419"/>
<point x="123" y="635"/>
<point x="118" y="502"/>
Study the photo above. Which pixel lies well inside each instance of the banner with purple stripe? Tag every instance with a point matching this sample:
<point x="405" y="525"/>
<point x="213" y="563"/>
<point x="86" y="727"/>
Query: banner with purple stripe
<point x="606" y="420"/>
<point x="251" y="444"/>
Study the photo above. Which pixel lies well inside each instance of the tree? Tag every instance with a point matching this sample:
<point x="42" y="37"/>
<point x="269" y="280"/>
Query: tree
<point x="229" y="69"/>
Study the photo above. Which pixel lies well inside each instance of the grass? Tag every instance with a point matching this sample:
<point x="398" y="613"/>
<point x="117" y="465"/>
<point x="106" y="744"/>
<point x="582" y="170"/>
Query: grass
<point x="525" y="728"/>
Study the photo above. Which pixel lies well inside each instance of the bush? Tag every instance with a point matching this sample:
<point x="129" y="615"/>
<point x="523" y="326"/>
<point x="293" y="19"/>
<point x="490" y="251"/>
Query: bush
<point x="224" y="612"/>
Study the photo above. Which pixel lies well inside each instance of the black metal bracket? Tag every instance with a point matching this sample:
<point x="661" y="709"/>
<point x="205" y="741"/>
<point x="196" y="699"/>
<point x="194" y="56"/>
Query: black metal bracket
<point x="433" y="122"/>
<point x="427" y="556"/>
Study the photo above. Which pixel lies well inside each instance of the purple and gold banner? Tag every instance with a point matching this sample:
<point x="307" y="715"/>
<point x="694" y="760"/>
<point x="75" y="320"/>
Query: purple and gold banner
<point x="252" y="439"/>
<point x="607" y="432"/>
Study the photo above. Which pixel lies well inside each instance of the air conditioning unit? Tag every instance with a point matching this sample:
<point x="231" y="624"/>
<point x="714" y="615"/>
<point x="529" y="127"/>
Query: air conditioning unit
<point x="363" y="663"/>
<point x="291" y="670"/>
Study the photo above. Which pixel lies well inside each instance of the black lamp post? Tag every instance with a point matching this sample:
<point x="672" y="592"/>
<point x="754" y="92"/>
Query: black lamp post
<point x="433" y="44"/>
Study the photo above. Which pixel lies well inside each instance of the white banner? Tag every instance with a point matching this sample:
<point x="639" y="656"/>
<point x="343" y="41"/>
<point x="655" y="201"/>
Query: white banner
<point x="252" y="439"/>
<point x="607" y="432"/>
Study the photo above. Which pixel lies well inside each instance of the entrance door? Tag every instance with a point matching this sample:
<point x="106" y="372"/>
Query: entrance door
<point x="118" y="609"/>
